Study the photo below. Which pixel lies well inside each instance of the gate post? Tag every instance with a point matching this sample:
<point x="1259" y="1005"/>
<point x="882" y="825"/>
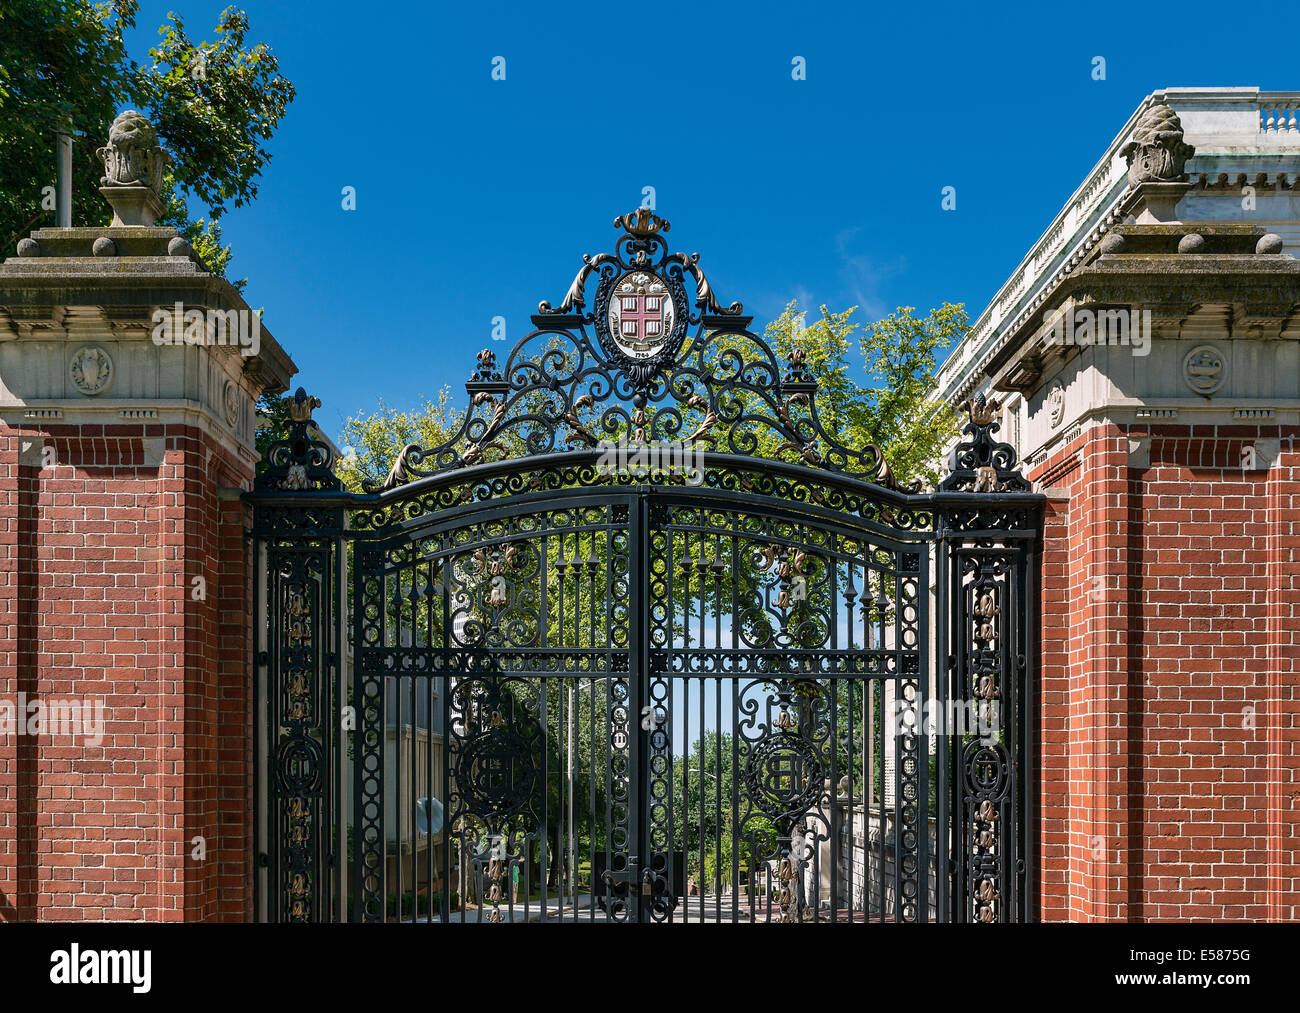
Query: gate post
<point x="298" y="664"/>
<point x="988" y="525"/>
<point x="129" y="378"/>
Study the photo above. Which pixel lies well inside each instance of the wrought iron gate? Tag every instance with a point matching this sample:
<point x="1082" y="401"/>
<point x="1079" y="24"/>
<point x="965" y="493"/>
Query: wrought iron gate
<point x="643" y="642"/>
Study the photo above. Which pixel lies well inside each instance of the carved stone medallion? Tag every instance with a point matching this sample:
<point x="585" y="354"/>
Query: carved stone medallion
<point x="1056" y="404"/>
<point x="1204" y="370"/>
<point x="91" y="370"/>
<point x="230" y="403"/>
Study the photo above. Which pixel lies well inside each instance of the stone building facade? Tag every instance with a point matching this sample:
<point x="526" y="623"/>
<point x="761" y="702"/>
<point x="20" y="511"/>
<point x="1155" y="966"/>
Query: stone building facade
<point x="1146" y="353"/>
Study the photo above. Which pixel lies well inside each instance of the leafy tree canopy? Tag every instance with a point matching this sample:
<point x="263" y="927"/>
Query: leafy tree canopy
<point x="215" y="104"/>
<point x="896" y="407"/>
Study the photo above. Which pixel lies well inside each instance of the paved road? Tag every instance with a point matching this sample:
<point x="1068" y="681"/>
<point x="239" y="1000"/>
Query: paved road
<point x="696" y="909"/>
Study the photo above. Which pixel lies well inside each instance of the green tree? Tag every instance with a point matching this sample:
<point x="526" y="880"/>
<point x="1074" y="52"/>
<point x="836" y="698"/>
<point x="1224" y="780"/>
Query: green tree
<point x="896" y="407"/>
<point x="376" y="438"/>
<point x="214" y="104"/>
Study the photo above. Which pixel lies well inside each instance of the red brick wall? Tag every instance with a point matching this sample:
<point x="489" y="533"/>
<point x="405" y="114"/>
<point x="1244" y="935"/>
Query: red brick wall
<point x="1169" y="737"/>
<point x="99" y="555"/>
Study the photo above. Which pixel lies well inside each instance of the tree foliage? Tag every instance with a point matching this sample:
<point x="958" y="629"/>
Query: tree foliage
<point x="895" y="406"/>
<point x="376" y="438"/>
<point x="214" y="104"/>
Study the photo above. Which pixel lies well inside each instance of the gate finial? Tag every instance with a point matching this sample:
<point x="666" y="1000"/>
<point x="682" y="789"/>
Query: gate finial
<point x="983" y="464"/>
<point x="641" y="222"/>
<point x="301" y="406"/>
<point x="300" y="462"/>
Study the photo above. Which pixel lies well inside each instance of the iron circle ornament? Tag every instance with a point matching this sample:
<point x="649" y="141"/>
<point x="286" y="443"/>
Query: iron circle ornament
<point x="298" y="768"/>
<point x="783" y="775"/>
<point x="499" y="777"/>
<point x="987" y="770"/>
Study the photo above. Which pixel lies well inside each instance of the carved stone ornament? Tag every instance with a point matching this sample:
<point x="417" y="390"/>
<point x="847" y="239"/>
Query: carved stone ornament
<point x="134" y="165"/>
<point x="91" y="370"/>
<point x="1056" y="404"/>
<point x="230" y="403"/>
<point x="132" y="156"/>
<point x="1204" y="370"/>
<point x="1156" y="152"/>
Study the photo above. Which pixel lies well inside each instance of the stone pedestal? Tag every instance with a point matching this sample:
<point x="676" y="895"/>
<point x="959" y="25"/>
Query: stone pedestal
<point x="1155" y="203"/>
<point x="133" y="205"/>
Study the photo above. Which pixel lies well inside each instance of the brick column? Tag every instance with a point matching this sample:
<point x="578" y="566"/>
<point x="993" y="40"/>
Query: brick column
<point x="1282" y="707"/>
<point x="1053" y="717"/>
<point x="1170" y="643"/>
<point x="125" y="584"/>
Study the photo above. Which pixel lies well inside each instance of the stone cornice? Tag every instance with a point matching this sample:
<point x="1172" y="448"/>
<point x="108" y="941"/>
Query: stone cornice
<point x="62" y="278"/>
<point x="1242" y="129"/>
<point x="1263" y="289"/>
<point x="40" y="417"/>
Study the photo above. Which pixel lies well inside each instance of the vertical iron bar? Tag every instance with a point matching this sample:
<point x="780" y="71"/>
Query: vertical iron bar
<point x="543" y="856"/>
<point x="639" y="693"/>
<point x="264" y="906"/>
<point x="943" y="845"/>
<point x="922" y="735"/>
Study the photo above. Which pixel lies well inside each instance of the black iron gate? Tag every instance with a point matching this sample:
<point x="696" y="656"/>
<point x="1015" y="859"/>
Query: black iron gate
<point x="607" y="655"/>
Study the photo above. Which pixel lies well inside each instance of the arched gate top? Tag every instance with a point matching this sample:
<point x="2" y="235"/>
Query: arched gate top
<point x="640" y="352"/>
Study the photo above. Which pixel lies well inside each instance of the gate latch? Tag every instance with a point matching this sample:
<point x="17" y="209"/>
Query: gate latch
<point x="626" y="875"/>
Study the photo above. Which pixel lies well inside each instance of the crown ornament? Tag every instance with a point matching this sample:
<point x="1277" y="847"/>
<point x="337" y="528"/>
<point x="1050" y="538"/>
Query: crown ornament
<point x="301" y="406"/>
<point x="641" y="222"/>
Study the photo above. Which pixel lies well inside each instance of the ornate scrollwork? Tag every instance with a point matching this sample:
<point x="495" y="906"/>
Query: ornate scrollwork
<point x="300" y="743"/>
<point x="987" y="782"/>
<point x="300" y="462"/>
<point x="981" y="463"/>
<point x="649" y="361"/>
<point x="785" y="760"/>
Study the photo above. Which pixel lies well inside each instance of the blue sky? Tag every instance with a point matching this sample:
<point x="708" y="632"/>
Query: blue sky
<point x="476" y="198"/>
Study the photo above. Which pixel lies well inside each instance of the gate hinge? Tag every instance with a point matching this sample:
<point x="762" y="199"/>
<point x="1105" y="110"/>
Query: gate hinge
<point x="263" y="859"/>
<point x="263" y="657"/>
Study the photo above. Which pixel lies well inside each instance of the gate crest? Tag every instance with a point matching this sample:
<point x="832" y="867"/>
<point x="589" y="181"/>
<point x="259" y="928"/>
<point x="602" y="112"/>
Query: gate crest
<point x="656" y="357"/>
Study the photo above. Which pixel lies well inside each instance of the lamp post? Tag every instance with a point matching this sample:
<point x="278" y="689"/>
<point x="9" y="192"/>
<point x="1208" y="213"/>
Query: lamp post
<point x="572" y="871"/>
